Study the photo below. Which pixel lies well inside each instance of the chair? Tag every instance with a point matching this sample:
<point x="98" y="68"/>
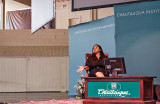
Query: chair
<point x="89" y="55"/>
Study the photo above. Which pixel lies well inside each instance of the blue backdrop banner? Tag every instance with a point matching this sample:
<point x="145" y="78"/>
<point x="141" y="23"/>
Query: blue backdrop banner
<point x="138" y="37"/>
<point x="81" y="40"/>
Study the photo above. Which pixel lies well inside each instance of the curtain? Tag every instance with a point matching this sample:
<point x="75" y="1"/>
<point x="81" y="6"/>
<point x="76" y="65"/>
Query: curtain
<point x="20" y="19"/>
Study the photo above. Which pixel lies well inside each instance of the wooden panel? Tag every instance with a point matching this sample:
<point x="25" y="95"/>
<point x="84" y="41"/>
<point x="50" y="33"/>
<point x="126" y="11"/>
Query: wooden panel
<point x="67" y="73"/>
<point x="26" y="2"/>
<point x="64" y="15"/>
<point x="44" y="37"/>
<point x="12" y="74"/>
<point x="105" y="12"/>
<point x="47" y="74"/>
<point x="22" y="74"/>
<point x="64" y="70"/>
<point x="34" y="51"/>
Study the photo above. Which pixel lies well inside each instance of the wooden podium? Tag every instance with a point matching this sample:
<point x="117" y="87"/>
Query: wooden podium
<point x="119" y="90"/>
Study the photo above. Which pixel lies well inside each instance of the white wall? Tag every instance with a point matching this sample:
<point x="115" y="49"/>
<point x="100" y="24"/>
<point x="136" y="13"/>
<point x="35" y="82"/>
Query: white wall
<point x="65" y="17"/>
<point x="27" y="74"/>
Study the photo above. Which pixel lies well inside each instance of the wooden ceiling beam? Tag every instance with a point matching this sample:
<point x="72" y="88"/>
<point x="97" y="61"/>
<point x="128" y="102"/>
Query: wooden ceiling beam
<point x="26" y="2"/>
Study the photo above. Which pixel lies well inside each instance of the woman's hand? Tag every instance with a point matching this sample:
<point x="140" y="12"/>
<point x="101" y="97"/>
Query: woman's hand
<point x="81" y="68"/>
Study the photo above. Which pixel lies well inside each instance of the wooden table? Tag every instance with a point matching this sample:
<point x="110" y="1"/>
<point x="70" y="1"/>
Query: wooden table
<point x="119" y="90"/>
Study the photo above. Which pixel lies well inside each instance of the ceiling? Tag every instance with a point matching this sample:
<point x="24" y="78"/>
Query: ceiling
<point x="26" y="2"/>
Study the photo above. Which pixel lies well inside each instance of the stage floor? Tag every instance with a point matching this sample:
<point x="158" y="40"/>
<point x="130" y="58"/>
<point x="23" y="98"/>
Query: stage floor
<point x="36" y="96"/>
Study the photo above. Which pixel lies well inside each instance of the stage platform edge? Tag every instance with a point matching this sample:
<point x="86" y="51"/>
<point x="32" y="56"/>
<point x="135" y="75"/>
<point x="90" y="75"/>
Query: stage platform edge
<point x="118" y="102"/>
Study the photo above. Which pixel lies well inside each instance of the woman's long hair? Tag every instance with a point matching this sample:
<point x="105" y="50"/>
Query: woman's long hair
<point x="101" y="52"/>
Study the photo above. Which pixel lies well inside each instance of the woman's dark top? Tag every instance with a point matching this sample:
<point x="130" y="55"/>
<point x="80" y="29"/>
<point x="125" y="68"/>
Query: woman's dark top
<point x="96" y="65"/>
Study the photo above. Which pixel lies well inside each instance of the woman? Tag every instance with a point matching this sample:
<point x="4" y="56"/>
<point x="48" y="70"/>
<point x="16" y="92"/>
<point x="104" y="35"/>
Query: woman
<point x="95" y="63"/>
